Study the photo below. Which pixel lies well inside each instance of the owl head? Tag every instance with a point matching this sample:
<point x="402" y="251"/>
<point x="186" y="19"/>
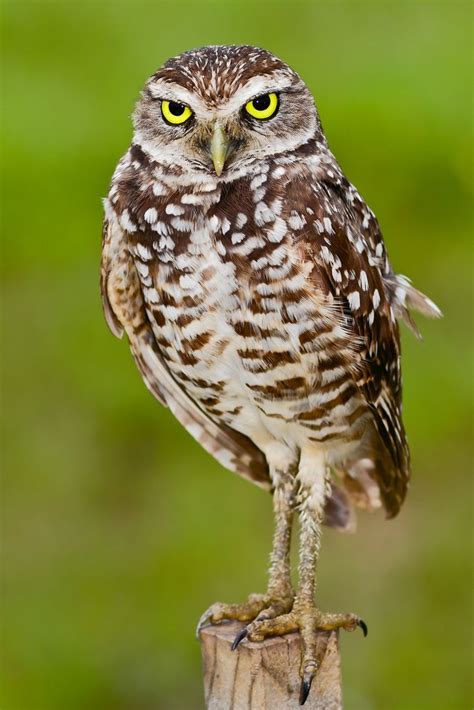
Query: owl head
<point x="220" y="110"/>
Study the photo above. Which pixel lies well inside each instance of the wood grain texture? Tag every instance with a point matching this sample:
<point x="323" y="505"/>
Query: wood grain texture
<point x="264" y="676"/>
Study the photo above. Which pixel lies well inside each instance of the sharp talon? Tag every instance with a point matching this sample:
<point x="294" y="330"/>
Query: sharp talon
<point x="203" y="622"/>
<point x="240" y="637"/>
<point x="363" y="626"/>
<point x="305" y="688"/>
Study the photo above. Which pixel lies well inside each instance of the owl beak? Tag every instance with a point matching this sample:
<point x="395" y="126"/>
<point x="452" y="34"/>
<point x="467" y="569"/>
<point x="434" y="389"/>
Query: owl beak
<point x="218" y="147"/>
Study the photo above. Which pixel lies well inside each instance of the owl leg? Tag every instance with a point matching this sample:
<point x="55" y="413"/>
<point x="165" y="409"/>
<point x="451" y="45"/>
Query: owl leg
<point x="279" y="596"/>
<point x="307" y="616"/>
<point x="304" y="615"/>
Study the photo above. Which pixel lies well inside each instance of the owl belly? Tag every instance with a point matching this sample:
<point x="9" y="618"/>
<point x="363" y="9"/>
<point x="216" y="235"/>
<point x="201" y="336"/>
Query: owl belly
<point x="296" y="372"/>
<point x="274" y="373"/>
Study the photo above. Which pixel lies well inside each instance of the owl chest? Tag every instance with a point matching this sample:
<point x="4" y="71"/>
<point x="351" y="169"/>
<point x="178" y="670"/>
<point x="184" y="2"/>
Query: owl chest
<point x="250" y="340"/>
<point x="197" y="302"/>
<point x="234" y="338"/>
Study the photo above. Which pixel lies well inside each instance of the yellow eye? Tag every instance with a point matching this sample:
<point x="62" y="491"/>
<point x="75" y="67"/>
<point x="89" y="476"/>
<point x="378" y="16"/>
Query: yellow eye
<point x="263" y="107"/>
<point x="175" y="113"/>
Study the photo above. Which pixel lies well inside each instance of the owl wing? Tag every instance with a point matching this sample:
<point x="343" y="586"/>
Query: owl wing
<point x="353" y="268"/>
<point x="125" y="310"/>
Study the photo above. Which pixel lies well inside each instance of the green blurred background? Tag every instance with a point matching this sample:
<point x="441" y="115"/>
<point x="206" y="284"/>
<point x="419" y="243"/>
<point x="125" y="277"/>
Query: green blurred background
<point x="118" y="529"/>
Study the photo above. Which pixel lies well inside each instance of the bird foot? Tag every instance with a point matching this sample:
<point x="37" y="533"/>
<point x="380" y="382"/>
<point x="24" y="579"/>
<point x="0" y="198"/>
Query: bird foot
<point x="258" y="607"/>
<point x="305" y="619"/>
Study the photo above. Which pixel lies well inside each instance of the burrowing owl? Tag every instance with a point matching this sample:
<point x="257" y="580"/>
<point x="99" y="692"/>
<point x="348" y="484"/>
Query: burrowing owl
<point x="260" y="306"/>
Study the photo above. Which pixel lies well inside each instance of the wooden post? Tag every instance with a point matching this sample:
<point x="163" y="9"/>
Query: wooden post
<point x="265" y="676"/>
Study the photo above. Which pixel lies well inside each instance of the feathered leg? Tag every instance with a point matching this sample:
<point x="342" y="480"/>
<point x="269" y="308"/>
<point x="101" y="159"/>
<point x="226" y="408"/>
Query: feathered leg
<point x="279" y="596"/>
<point x="283" y="507"/>
<point x="304" y="616"/>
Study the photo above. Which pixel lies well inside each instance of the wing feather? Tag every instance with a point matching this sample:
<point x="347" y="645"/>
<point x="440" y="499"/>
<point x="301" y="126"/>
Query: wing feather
<point x="352" y="263"/>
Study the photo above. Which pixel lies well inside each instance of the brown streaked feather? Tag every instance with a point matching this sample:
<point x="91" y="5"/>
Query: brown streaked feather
<point x="125" y="310"/>
<point x="366" y="311"/>
<point x="106" y="261"/>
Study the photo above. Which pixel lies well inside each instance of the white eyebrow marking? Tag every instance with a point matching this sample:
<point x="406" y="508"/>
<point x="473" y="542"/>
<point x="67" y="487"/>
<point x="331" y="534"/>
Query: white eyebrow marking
<point x="277" y="82"/>
<point x="160" y="89"/>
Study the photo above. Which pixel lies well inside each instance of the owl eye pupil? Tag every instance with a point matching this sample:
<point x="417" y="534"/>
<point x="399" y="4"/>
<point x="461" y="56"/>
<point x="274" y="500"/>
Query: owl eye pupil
<point x="175" y="108"/>
<point x="262" y="102"/>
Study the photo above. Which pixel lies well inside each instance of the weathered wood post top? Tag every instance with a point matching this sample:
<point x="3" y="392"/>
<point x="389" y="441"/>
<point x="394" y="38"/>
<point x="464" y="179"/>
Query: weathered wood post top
<point x="266" y="675"/>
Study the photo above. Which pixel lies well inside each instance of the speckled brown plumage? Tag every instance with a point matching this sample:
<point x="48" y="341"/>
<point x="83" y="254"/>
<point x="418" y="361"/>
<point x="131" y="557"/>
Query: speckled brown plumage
<point x="260" y="304"/>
